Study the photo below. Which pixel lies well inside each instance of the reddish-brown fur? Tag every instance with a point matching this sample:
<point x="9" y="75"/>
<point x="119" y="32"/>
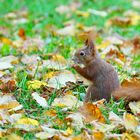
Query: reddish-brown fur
<point x="102" y="75"/>
<point x="128" y="93"/>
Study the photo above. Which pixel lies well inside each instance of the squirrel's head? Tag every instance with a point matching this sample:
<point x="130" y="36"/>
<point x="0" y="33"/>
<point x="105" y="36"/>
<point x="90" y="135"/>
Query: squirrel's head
<point x="85" y="54"/>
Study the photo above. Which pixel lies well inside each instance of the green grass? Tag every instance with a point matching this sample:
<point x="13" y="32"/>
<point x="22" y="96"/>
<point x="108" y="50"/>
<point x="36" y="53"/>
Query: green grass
<point x="45" y="11"/>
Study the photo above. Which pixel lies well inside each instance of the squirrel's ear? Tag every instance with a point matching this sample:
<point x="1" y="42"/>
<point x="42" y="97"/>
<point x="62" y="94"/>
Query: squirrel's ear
<point x="89" y="44"/>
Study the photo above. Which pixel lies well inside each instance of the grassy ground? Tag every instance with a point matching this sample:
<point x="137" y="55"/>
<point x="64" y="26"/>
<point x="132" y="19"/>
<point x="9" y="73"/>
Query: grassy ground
<point x="44" y="12"/>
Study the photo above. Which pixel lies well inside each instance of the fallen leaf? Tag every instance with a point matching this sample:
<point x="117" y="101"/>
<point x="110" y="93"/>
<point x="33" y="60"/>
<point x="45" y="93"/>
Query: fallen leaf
<point x="77" y="120"/>
<point x="13" y="137"/>
<point x="82" y="13"/>
<point x="136" y="43"/>
<point x="68" y="30"/>
<point x="97" y="135"/>
<point x="127" y="136"/>
<point x="119" y="21"/>
<point x="133" y="16"/>
<point x="136" y="3"/>
<point x="56" y="62"/>
<point x="68" y="101"/>
<point x="44" y="135"/>
<point x="1" y="73"/>
<point x="62" y="9"/>
<point x="135" y="107"/>
<point x="114" y="39"/>
<point x="68" y="132"/>
<point x="21" y="33"/>
<point x="40" y="100"/>
<point x="98" y="13"/>
<point x="105" y="128"/>
<point x="28" y="121"/>
<point x="51" y="113"/>
<point x="134" y="82"/>
<point x="8" y="102"/>
<point x="61" y="78"/>
<point x="5" y="40"/>
<point x="6" y="62"/>
<point x="35" y="84"/>
<point x="130" y="122"/>
<point x="9" y="86"/>
<point x="115" y="118"/>
<point x="91" y="112"/>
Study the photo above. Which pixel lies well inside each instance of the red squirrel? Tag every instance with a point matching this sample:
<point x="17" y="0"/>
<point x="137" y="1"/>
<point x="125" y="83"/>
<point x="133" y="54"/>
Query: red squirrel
<point x="104" y="79"/>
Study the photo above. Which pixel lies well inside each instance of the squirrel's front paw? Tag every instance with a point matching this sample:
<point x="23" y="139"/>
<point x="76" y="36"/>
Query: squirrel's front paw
<point x="75" y="66"/>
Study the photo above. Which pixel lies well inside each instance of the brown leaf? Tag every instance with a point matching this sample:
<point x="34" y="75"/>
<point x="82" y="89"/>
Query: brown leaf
<point x="127" y="136"/>
<point x="91" y="112"/>
<point x="134" y="82"/>
<point x="9" y="86"/>
<point x="22" y="34"/>
<point x="119" y="21"/>
<point x="136" y="43"/>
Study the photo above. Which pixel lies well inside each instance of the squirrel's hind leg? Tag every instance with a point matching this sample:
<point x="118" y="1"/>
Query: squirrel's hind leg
<point x="92" y="94"/>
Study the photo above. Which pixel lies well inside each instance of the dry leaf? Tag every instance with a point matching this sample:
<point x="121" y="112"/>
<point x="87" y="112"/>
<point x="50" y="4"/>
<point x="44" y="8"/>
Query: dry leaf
<point x="51" y="113"/>
<point x="13" y="137"/>
<point x="10" y="86"/>
<point x="77" y="120"/>
<point x="98" y="13"/>
<point x="82" y="13"/>
<point x="28" y="121"/>
<point x="6" y="62"/>
<point x="8" y="102"/>
<point x="35" y="84"/>
<point x="21" y="33"/>
<point x="130" y="122"/>
<point x="115" y="118"/>
<point x="62" y="9"/>
<point x="68" y="30"/>
<point x="135" y="107"/>
<point x="97" y="135"/>
<point x="133" y="16"/>
<point x="67" y="101"/>
<point x="127" y="136"/>
<point x="91" y="112"/>
<point x="56" y="62"/>
<point x="61" y="78"/>
<point x="40" y="100"/>
<point x="44" y="135"/>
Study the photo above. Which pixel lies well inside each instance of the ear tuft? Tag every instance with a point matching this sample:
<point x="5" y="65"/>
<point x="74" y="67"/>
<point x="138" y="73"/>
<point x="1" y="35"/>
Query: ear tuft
<point x="89" y="43"/>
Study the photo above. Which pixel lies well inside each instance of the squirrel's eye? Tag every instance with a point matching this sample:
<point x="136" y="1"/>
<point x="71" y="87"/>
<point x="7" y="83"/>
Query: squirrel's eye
<point x="82" y="53"/>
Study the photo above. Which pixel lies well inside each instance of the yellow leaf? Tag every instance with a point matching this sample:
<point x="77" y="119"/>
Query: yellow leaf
<point x="91" y="112"/>
<point x="51" y="113"/>
<point x="59" y="58"/>
<point x="13" y="137"/>
<point x="35" y="84"/>
<point x="127" y="136"/>
<point x="28" y="121"/>
<point x="104" y="44"/>
<point x="68" y="132"/>
<point x="56" y="61"/>
<point x="61" y="105"/>
<point x="50" y="75"/>
<point x="98" y="135"/>
<point x="6" y="40"/>
<point x="82" y="13"/>
<point x="9" y="105"/>
<point x="130" y="121"/>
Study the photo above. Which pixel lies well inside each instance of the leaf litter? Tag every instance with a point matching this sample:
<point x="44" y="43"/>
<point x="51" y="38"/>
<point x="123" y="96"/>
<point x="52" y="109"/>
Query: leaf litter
<point x="40" y="93"/>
